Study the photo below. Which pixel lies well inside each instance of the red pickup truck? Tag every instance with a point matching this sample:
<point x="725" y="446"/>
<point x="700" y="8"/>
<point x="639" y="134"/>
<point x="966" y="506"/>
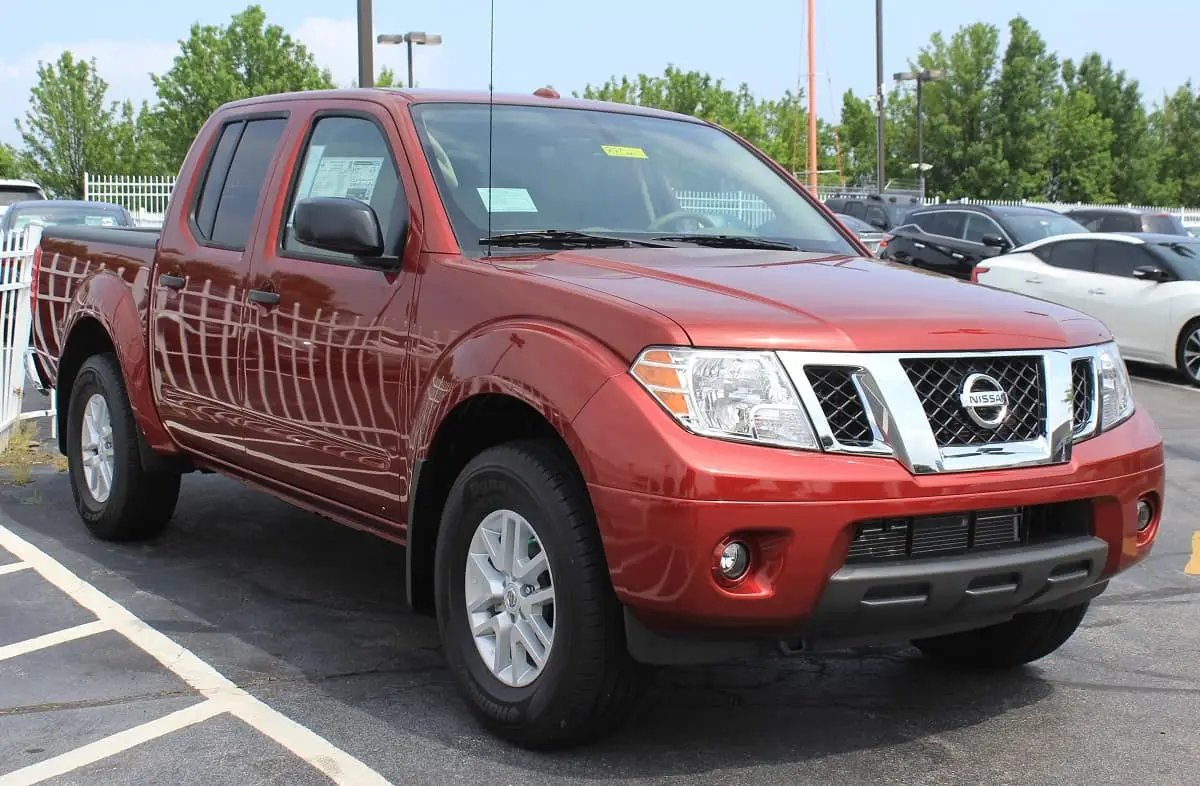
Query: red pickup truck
<point x="630" y="396"/>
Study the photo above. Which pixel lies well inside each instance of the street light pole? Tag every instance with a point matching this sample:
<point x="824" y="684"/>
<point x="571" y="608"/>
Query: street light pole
<point x="879" y="168"/>
<point x="411" y="38"/>
<point x="366" y="55"/>
<point x="920" y="77"/>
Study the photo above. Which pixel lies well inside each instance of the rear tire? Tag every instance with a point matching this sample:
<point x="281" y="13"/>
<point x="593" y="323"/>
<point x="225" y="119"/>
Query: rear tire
<point x="587" y="680"/>
<point x="1023" y="639"/>
<point x="117" y="499"/>
<point x="1187" y="352"/>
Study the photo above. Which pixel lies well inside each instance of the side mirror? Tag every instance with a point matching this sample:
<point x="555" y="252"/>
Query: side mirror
<point x="1150" y="273"/>
<point x="994" y="241"/>
<point x="339" y="224"/>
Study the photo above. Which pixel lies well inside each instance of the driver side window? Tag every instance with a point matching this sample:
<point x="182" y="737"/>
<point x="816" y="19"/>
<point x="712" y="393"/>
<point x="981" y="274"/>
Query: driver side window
<point x="348" y="157"/>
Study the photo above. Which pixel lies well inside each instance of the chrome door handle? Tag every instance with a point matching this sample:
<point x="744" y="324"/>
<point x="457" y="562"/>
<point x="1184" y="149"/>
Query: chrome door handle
<point x="1096" y="292"/>
<point x="171" y="282"/>
<point x="1033" y="281"/>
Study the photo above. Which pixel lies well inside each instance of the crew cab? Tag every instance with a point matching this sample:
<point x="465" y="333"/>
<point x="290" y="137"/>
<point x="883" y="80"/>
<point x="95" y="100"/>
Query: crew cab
<point x="612" y="433"/>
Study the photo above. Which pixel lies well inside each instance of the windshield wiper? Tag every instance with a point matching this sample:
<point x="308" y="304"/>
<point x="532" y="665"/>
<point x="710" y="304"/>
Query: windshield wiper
<point x="728" y="241"/>
<point x="563" y="238"/>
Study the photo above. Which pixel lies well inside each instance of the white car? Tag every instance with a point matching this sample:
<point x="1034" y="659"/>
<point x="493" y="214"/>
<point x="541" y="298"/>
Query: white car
<point x="1144" y="287"/>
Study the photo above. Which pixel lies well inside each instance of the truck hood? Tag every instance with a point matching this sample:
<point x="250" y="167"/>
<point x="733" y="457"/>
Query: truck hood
<point x="815" y="301"/>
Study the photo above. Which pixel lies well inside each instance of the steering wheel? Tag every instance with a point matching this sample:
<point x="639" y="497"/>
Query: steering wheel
<point x="663" y="221"/>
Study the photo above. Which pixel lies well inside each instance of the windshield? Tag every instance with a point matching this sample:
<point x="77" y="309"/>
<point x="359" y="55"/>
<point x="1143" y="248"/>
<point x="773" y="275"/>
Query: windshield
<point x="48" y="214"/>
<point x="10" y="195"/>
<point x="607" y="172"/>
<point x="1028" y="227"/>
<point x="897" y="213"/>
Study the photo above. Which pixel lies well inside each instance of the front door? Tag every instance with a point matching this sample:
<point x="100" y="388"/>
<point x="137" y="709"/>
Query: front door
<point x="326" y="336"/>
<point x="198" y="291"/>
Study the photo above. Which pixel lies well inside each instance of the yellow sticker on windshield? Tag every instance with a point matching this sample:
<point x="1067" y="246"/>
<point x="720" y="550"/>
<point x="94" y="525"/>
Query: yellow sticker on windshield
<point x="624" y="152"/>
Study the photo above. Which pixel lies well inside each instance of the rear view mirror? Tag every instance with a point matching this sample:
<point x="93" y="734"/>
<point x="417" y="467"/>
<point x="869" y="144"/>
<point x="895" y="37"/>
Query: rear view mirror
<point x="994" y="241"/>
<point x="339" y="224"/>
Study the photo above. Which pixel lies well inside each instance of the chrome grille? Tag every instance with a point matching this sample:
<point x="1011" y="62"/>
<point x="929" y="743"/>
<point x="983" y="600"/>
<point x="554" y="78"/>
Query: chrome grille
<point x="939" y="381"/>
<point x="842" y="405"/>
<point x="1083" y="394"/>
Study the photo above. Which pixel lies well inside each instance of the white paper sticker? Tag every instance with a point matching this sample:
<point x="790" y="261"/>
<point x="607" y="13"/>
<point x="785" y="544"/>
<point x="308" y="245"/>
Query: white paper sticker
<point x="346" y="177"/>
<point x="507" y="200"/>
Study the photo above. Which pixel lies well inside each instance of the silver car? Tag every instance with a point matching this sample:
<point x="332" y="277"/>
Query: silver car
<point x="869" y="235"/>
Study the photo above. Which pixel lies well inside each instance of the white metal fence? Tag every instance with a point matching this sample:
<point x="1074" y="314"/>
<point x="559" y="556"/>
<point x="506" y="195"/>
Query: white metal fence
<point x="145" y="197"/>
<point x="16" y="266"/>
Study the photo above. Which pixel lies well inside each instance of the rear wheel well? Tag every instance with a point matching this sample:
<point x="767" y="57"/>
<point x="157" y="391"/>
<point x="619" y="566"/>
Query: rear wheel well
<point x="88" y="337"/>
<point x="474" y="425"/>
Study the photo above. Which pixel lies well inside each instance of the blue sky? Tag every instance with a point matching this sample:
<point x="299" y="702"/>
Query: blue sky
<point x="569" y="44"/>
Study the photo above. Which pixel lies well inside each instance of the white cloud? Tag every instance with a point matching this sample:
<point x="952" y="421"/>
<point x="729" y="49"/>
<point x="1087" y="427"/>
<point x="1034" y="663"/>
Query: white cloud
<point x="125" y="65"/>
<point x="334" y="45"/>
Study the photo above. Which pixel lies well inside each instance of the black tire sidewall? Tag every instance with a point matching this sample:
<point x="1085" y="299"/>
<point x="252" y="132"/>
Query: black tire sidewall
<point x="95" y="376"/>
<point x="1180" y="344"/>
<point x="484" y="487"/>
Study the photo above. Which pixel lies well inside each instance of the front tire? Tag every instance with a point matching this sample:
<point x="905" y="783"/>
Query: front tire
<point x="1023" y="639"/>
<point x="1187" y="352"/>
<point x="520" y="573"/>
<point x="117" y="499"/>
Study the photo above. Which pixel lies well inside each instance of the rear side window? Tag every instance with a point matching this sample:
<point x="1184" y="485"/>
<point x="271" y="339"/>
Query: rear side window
<point x="949" y="223"/>
<point x="1072" y="255"/>
<point x="234" y="182"/>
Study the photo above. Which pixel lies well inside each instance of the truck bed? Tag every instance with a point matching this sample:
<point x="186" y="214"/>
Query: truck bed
<point x="72" y="257"/>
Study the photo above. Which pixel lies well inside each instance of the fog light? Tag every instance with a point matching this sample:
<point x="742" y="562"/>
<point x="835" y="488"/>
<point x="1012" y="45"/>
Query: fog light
<point x="1145" y="514"/>
<point x="735" y="559"/>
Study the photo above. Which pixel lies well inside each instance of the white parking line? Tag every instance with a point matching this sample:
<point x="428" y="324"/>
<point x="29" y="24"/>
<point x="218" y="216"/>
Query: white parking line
<point x="339" y="766"/>
<point x="50" y="639"/>
<point x="1175" y="385"/>
<point x="14" y="567"/>
<point x="108" y="746"/>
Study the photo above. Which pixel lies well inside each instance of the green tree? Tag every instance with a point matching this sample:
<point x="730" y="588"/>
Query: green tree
<point x="1081" y="166"/>
<point x="1022" y="108"/>
<point x="1119" y="99"/>
<point x="1175" y="130"/>
<point x="9" y="162"/>
<point x="246" y="58"/>
<point x="968" y="160"/>
<point x="69" y="127"/>
<point x="387" y="78"/>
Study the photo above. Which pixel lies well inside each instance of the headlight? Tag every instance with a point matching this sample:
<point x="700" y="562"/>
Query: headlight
<point x="1116" y="391"/>
<point x="727" y="394"/>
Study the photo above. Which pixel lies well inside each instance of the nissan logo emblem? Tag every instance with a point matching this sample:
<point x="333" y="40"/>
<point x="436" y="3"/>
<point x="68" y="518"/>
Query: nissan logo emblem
<point x="984" y="401"/>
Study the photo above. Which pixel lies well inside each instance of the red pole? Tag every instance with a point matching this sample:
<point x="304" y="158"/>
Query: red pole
<point x="812" y="102"/>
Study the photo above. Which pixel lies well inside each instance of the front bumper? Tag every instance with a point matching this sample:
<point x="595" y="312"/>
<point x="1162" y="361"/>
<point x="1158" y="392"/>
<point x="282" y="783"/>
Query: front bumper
<point x="667" y="501"/>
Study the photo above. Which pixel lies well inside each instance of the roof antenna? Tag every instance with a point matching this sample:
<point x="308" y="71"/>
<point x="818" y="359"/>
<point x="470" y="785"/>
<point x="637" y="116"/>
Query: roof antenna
<point x="491" y="94"/>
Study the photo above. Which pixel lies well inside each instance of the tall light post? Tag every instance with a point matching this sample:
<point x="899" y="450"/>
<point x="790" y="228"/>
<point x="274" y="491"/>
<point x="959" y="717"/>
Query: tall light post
<point x="879" y="168"/>
<point x="366" y="55"/>
<point x="920" y="77"/>
<point x="420" y="39"/>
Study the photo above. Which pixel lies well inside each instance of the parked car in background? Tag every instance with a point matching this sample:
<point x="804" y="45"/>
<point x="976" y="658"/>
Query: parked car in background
<point x="882" y="211"/>
<point x="1144" y="287"/>
<point x="869" y="235"/>
<point x="953" y="238"/>
<point x="63" y="213"/>
<point x="18" y="191"/>
<point x="1126" y="219"/>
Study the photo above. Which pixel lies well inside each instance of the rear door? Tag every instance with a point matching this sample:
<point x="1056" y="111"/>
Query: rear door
<point x="326" y="336"/>
<point x="200" y="284"/>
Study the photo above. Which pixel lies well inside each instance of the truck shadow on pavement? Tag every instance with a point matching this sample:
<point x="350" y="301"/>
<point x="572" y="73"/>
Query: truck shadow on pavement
<point x="309" y="616"/>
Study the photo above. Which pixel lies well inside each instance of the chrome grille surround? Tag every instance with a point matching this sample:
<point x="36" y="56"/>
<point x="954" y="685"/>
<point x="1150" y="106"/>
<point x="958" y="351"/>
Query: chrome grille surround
<point x="901" y="429"/>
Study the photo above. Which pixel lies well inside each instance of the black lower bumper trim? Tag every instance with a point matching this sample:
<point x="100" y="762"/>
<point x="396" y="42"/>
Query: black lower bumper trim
<point x="902" y="597"/>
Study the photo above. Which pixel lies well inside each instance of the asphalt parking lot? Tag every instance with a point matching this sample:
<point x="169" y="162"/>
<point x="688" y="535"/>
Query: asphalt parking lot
<point x="256" y="644"/>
